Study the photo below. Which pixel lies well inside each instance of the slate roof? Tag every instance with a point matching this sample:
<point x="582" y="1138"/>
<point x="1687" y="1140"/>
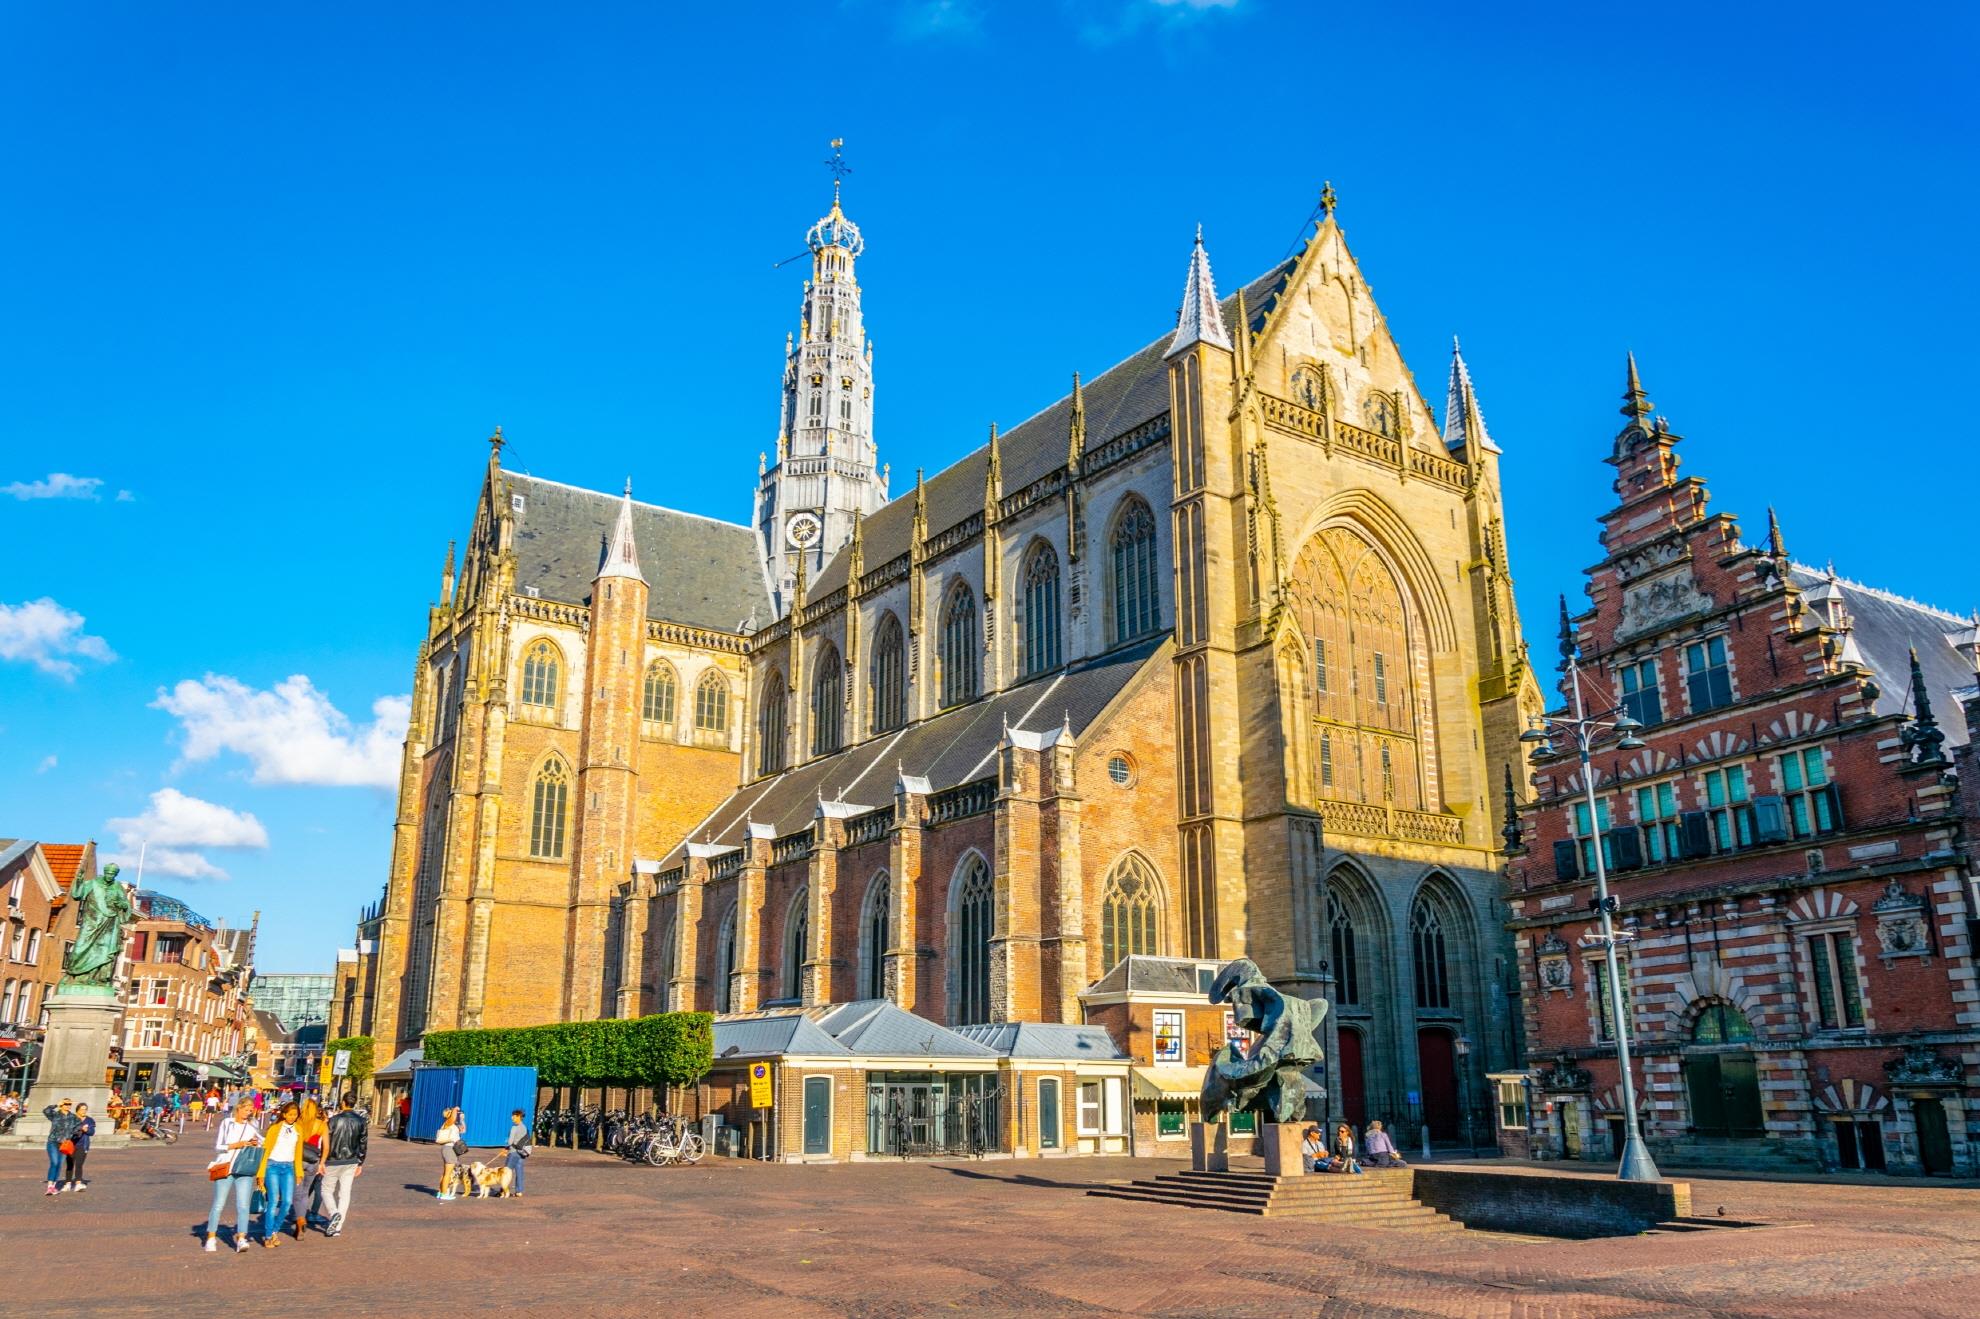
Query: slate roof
<point x="1152" y="975"/>
<point x="1117" y="400"/>
<point x="876" y="1027"/>
<point x="1034" y="1039"/>
<point x="1887" y="627"/>
<point x="698" y="571"/>
<point x="774" y="1036"/>
<point x="952" y="748"/>
<point x="271" y="1027"/>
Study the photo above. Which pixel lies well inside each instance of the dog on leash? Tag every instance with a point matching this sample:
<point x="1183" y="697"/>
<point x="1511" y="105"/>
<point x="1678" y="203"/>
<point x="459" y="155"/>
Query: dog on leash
<point x="496" y="1179"/>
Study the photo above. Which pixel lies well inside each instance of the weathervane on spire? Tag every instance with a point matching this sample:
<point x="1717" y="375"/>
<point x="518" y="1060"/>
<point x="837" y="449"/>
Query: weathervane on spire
<point x="1328" y="197"/>
<point x="837" y="164"/>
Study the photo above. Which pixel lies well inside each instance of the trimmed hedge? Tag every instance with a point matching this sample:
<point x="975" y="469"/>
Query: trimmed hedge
<point x="362" y="1056"/>
<point x="673" y="1048"/>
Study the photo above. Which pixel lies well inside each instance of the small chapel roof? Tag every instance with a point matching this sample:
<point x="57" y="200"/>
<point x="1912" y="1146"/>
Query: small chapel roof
<point x="1124" y="396"/>
<point x="1886" y="629"/>
<point x="699" y="571"/>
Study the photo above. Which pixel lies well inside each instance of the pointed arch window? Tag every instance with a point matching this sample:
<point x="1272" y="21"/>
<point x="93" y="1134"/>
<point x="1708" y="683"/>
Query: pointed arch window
<point x="668" y="964"/>
<point x="887" y="680"/>
<point x="828" y="694"/>
<point x="1136" y="603"/>
<point x="1346" y="957"/>
<point x="1130" y="912"/>
<point x="875" y="934"/>
<point x="1426" y="936"/>
<point x="541" y="676"/>
<point x="548" y="806"/>
<point x="797" y="944"/>
<point x="770" y="725"/>
<point x="658" y="700"/>
<point x="961" y="650"/>
<point x="711" y="703"/>
<point x="725" y="962"/>
<point x="1042" y="646"/>
<point x="974" y="926"/>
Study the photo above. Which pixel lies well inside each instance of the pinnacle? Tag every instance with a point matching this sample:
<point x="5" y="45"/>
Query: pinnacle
<point x="1636" y="403"/>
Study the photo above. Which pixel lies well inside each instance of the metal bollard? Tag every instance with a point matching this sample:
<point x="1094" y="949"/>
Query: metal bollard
<point x="1426" y="1142"/>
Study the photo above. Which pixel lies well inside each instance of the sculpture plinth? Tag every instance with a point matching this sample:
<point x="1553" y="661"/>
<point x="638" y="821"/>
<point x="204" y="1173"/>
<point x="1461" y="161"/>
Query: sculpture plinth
<point x="1279" y="1142"/>
<point x="1210" y="1147"/>
<point x="82" y="1025"/>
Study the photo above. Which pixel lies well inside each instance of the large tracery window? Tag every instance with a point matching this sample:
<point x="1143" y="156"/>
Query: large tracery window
<point x="1426" y="937"/>
<point x="542" y="668"/>
<point x="1346" y="957"/>
<point x="888" y="678"/>
<point x="961" y="651"/>
<point x="770" y="725"/>
<point x="549" y="800"/>
<point x="1041" y="640"/>
<point x="1368" y="646"/>
<point x="657" y="701"/>
<point x="725" y="962"/>
<point x="876" y="932"/>
<point x="971" y="950"/>
<point x="711" y="703"/>
<point x="1130" y="912"/>
<point x="828" y="695"/>
<point x="1136" y="602"/>
<point x="797" y="944"/>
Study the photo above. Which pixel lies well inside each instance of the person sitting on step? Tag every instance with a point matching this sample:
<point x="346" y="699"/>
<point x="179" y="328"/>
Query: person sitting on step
<point x="1380" y="1149"/>
<point x="1344" y="1160"/>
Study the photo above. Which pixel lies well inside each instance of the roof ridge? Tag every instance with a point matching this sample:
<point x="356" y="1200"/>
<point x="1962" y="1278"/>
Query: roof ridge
<point x="1891" y="596"/>
<point x="636" y="503"/>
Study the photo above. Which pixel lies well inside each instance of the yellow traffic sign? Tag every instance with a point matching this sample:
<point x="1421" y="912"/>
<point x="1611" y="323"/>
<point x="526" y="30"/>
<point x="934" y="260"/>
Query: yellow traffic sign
<point x="759" y="1085"/>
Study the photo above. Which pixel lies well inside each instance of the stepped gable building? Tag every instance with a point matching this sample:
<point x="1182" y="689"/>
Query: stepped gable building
<point x="1786" y="856"/>
<point x="1216" y="655"/>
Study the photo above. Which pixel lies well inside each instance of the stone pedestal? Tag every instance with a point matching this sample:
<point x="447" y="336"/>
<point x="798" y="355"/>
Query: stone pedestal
<point x="1209" y="1147"/>
<point x="1279" y="1141"/>
<point x="75" y="1050"/>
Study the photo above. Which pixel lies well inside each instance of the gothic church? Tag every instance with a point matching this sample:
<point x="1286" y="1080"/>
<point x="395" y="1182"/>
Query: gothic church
<point x="1215" y="656"/>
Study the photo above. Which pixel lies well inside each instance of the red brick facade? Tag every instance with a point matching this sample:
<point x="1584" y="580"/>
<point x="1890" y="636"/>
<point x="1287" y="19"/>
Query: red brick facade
<point x="1786" y="855"/>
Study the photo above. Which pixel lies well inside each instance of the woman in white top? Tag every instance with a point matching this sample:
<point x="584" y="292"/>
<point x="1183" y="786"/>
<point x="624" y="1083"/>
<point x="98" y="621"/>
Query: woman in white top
<point x="452" y="1128"/>
<point x="237" y="1133"/>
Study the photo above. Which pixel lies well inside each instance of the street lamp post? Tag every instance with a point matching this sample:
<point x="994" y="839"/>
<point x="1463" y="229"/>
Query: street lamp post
<point x="1582" y="730"/>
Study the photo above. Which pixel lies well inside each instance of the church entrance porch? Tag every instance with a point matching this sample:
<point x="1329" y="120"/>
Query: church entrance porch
<point x="1724" y="1089"/>
<point x="1436" y="1060"/>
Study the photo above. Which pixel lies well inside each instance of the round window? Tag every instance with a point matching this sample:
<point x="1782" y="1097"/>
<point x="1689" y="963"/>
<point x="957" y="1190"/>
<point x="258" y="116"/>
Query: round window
<point x="1120" y="769"/>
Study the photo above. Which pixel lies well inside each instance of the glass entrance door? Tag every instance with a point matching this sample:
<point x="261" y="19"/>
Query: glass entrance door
<point x="904" y="1117"/>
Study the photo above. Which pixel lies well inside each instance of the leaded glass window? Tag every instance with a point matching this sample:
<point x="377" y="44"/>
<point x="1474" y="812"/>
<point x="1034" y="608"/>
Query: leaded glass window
<point x="1136" y="607"/>
<point x="549" y="800"/>
<point x="828" y="695"/>
<point x="887" y="681"/>
<point x="1130" y="912"/>
<point x="961" y="651"/>
<point x="974" y="925"/>
<point x="1041" y="640"/>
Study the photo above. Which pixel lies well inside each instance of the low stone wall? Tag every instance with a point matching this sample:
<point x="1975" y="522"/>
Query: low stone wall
<point x="1547" y="1205"/>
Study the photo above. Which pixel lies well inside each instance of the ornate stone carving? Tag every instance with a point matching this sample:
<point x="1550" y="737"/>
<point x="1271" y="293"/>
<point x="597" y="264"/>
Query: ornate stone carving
<point x="1556" y="972"/>
<point x="1564" y="1076"/>
<point x="1922" y="1065"/>
<point x="1901" y="928"/>
<point x="1648" y="559"/>
<point x="1660" y="601"/>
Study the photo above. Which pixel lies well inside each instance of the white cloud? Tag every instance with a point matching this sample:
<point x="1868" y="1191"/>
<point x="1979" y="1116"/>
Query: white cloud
<point x="45" y="635"/>
<point x="56" y="485"/>
<point x="922" y="19"/>
<point x="1102" y="25"/>
<point x="290" y="733"/>
<point x="126" y="497"/>
<point x="48" y="762"/>
<point x="174" y="829"/>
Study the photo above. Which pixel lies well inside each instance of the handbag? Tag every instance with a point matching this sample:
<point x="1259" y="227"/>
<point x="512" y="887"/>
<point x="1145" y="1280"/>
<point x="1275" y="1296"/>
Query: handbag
<point x="247" y="1162"/>
<point x="67" y="1147"/>
<point x="460" y="1148"/>
<point x="219" y="1170"/>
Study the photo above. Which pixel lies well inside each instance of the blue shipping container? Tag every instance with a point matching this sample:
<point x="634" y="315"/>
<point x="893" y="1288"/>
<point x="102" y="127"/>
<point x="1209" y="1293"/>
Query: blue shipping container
<point x="486" y="1095"/>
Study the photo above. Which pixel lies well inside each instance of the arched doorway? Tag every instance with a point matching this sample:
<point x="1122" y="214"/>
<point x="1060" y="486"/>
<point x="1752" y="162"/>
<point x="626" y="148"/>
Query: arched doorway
<point x="1436" y="1064"/>
<point x="1721" y="1078"/>
<point x="1351" y="1079"/>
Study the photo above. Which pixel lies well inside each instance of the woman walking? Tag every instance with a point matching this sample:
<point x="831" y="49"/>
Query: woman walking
<point x="281" y="1168"/>
<point x="79" y="1139"/>
<point x="237" y="1133"/>
<point x="313" y="1129"/>
<point x="452" y="1131"/>
<point x="62" y="1124"/>
<point x="518" y="1150"/>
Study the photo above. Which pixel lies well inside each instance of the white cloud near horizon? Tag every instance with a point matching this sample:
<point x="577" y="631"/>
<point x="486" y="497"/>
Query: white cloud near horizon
<point x="48" y="762"/>
<point x="56" y="485"/>
<point x="50" y="637"/>
<point x="174" y="831"/>
<point x="291" y="733"/>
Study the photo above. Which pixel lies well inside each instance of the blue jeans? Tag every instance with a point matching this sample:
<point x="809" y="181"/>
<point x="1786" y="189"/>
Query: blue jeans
<point x="277" y="1207"/>
<point x="243" y="1191"/>
<point x="54" y="1160"/>
<point x="515" y="1162"/>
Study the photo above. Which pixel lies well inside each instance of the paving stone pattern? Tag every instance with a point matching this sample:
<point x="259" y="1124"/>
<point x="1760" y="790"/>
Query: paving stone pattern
<point x="992" y="1238"/>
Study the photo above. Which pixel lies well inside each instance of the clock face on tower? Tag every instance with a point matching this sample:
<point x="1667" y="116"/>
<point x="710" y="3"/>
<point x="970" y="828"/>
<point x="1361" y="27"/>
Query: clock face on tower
<point x="802" y="531"/>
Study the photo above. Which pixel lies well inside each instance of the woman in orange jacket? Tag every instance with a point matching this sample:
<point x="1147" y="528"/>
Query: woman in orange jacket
<point x="314" y="1130"/>
<point x="281" y="1168"/>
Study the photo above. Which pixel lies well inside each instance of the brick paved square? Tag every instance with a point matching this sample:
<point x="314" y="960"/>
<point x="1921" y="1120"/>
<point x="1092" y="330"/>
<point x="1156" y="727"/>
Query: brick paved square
<point x="595" y="1236"/>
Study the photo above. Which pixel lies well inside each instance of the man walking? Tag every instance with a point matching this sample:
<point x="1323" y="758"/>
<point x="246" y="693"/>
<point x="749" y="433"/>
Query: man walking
<point x="344" y="1149"/>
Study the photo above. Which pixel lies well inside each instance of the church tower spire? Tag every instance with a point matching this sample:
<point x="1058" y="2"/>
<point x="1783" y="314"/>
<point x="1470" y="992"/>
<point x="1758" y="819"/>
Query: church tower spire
<point x="1463" y="422"/>
<point x="827" y="472"/>
<point x="1201" y="319"/>
<point x="621" y="557"/>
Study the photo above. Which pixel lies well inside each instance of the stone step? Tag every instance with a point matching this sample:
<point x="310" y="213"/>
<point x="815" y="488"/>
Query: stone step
<point x="1408" y="1215"/>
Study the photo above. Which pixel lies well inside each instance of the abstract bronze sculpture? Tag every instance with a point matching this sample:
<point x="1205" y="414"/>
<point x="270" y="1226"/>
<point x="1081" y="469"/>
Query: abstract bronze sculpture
<point x="1268" y="1079"/>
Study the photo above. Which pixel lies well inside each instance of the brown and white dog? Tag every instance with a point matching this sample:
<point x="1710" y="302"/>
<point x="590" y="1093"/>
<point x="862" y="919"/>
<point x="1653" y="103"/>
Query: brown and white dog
<point x="496" y="1179"/>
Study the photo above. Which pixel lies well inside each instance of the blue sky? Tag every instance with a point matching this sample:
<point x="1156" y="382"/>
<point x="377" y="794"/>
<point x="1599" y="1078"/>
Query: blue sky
<point x="270" y="276"/>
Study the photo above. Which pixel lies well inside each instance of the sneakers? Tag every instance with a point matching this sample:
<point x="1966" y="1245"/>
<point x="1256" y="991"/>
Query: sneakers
<point x="240" y="1245"/>
<point x="81" y="1186"/>
<point x="53" y="1189"/>
<point x="336" y="1224"/>
<point x="444" y="1195"/>
<point x="212" y="1245"/>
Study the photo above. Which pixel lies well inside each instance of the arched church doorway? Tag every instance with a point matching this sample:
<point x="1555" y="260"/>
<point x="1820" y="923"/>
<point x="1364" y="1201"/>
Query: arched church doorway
<point x="1351" y="1079"/>
<point x="1436" y="1064"/>
<point x="1720" y="1077"/>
